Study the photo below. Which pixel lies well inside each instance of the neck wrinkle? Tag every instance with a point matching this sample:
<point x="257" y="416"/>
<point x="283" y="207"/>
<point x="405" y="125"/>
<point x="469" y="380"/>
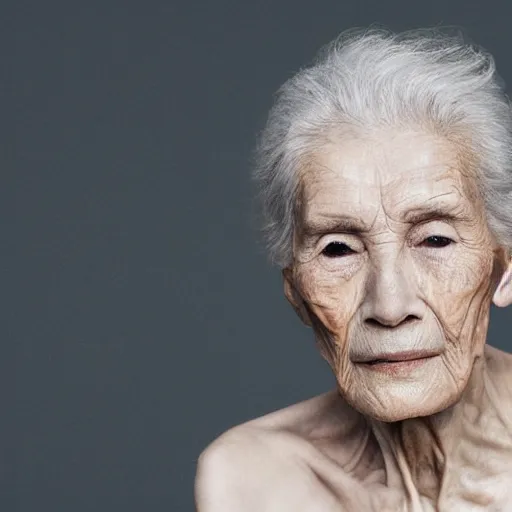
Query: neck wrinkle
<point x="420" y="453"/>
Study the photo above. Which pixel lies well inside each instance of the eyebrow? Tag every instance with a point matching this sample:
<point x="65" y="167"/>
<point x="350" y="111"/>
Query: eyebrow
<point x="352" y="225"/>
<point x="334" y="224"/>
<point x="426" y="213"/>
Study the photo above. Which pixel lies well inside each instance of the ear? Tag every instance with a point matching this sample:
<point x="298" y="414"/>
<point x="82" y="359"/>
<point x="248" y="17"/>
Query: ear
<point x="294" y="297"/>
<point x="503" y="295"/>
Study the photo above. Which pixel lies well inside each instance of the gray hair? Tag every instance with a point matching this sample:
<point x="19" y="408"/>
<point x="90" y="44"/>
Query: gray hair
<point x="368" y="78"/>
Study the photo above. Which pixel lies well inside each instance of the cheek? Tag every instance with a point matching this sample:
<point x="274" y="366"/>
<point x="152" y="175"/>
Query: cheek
<point x="332" y="299"/>
<point x="457" y="289"/>
<point x="455" y="284"/>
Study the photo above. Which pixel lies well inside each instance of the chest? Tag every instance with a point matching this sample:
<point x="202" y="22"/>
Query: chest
<point x="473" y="488"/>
<point x="475" y="481"/>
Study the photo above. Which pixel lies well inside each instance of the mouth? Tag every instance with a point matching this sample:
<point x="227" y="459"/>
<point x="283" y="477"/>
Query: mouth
<point x="399" y="362"/>
<point x="399" y="357"/>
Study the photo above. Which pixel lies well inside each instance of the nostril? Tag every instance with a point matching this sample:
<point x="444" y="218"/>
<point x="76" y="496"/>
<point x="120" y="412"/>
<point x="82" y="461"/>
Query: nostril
<point x="382" y="323"/>
<point x="410" y="318"/>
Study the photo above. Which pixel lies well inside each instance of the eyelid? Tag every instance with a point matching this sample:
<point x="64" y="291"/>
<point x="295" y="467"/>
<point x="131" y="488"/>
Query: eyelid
<point x="441" y="222"/>
<point x="346" y="238"/>
<point x="337" y="242"/>
<point x="436" y="227"/>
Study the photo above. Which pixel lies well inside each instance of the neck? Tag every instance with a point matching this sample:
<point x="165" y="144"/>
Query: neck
<point x="429" y="454"/>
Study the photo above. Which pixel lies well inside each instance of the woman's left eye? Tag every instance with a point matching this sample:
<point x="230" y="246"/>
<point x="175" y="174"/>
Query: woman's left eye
<point x="437" y="241"/>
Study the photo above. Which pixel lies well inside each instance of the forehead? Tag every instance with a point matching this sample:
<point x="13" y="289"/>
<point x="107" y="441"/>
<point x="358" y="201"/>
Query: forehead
<point x="396" y="171"/>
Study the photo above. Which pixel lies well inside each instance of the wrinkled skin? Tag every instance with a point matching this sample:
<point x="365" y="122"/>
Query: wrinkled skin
<point x="376" y="276"/>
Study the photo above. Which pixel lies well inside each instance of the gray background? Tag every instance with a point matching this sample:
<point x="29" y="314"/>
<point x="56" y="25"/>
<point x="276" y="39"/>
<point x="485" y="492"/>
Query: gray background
<point x="142" y="317"/>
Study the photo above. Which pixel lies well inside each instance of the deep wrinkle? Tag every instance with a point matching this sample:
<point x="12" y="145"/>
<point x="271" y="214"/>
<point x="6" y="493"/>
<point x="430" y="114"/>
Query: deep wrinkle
<point x="445" y="290"/>
<point x="385" y="183"/>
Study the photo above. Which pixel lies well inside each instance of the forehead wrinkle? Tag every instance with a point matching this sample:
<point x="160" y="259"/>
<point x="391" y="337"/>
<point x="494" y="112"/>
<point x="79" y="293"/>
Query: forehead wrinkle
<point x="318" y="214"/>
<point x="313" y="172"/>
<point x="380" y="161"/>
<point x="420" y="201"/>
<point x="309" y="207"/>
<point x="438" y="171"/>
<point x="312" y="179"/>
<point x="433" y="205"/>
<point x="441" y="150"/>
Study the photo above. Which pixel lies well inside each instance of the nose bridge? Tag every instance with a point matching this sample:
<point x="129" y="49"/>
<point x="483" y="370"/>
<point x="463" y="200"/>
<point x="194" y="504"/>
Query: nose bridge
<point x="391" y="291"/>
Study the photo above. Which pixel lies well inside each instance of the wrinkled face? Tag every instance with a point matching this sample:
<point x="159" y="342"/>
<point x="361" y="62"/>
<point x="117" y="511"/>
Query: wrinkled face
<point x="393" y="267"/>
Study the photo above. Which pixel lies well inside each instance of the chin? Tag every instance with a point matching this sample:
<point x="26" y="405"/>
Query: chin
<point x="391" y="393"/>
<point x="392" y="406"/>
<point x="393" y="415"/>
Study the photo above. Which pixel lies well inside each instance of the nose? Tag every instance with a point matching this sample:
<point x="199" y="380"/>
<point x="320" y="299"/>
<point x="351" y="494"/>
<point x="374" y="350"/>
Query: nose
<point x="391" y="297"/>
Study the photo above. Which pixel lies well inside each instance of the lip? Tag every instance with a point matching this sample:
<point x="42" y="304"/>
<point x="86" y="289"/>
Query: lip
<point x="398" y="363"/>
<point x="397" y="357"/>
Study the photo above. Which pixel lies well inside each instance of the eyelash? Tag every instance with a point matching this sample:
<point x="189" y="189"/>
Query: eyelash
<point x="448" y="241"/>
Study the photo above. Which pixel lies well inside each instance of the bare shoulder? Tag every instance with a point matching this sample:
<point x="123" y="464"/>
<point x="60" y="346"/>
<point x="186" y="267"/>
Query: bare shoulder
<point x="324" y="415"/>
<point x="322" y="419"/>
<point x="239" y="468"/>
<point x="277" y="460"/>
<point x="253" y="469"/>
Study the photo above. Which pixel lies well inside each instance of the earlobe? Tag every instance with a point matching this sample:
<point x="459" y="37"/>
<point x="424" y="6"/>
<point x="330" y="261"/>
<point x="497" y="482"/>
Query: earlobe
<point x="503" y="295"/>
<point x="294" y="298"/>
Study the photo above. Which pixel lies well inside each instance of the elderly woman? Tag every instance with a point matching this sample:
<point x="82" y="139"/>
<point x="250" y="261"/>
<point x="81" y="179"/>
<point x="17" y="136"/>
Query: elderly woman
<point x="386" y="178"/>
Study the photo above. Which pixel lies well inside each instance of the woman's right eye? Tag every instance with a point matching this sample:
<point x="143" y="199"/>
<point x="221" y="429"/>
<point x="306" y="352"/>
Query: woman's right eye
<point x="336" y="249"/>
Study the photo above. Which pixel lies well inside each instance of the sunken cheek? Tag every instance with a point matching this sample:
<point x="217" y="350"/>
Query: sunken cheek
<point x="460" y="277"/>
<point x="330" y="295"/>
<point x="467" y="292"/>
